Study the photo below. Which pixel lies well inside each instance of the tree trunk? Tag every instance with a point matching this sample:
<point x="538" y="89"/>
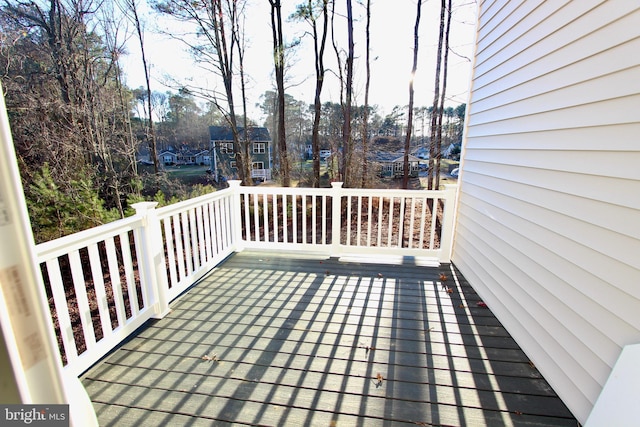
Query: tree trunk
<point x="278" y="58"/>
<point x="442" y="97"/>
<point x="365" y="120"/>
<point x="333" y="142"/>
<point x="347" y="140"/>
<point x="407" y="140"/>
<point x="317" y="102"/>
<point x="436" y="99"/>
<point x="151" y="135"/>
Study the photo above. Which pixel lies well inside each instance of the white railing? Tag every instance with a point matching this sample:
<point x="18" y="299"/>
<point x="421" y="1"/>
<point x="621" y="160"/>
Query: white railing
<point x="264" y="174"/>
<point x="355" y="221"/>
<point x="105" y="282"/>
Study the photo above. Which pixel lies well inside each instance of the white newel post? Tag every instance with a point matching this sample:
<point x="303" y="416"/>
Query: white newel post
<point x="30" y="365"/>
<point x="236" y="215"/>
<point x="153" y="260"/>
<point x="336" y="216"/>
<point x="448" y="216"/>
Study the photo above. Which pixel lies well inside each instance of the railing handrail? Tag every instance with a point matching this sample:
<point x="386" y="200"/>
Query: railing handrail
<point x="65" y="244"/>
<point x="189" y="203"/>
<point x="157" y="254"/>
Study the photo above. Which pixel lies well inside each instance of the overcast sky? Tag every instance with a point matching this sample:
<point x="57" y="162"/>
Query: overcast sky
<point x="392" y="23"/>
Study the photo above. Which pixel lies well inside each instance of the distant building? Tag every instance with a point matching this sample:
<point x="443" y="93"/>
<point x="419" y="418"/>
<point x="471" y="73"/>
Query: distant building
<point x="225" y="151"/>
<point x="184" y="157"/>
<point x="392" y="164"/>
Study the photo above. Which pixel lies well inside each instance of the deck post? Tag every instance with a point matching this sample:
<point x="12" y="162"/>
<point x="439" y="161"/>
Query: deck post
<point x="446" y="235"/>
<point x="153" y="260"/>
<point x="31" y="369"/>
<point x="336" y="217"/>
<point x="236" y="215"/>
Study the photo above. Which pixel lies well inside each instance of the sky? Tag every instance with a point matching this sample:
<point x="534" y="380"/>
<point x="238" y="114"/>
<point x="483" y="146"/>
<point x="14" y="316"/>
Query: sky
<point x="392" y="26"/>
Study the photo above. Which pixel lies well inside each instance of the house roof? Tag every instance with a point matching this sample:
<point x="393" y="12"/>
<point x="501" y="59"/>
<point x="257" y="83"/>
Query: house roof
<point x="184" y="152"/>
<point x="168" y="152"/>
<point x="223" y="133"/>
<point x="385" y="157"/>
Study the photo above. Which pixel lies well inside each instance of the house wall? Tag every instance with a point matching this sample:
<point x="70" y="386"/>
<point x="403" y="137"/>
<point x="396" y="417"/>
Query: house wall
<point x="548" y="225"/>
<point x="261" y="157"/>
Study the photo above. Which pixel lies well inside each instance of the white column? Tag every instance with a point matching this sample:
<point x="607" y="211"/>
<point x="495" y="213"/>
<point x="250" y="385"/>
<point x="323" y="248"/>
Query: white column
<point x="448" y="217"/>
<point x="336" y="220"/>
<point x="236" y="214"/>
<point x="35" y="369"/>
<point x="153" y="260"/>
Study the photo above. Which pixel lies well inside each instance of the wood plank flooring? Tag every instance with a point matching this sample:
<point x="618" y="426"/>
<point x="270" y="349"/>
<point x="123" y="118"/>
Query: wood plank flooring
<point x="291" y="340"/>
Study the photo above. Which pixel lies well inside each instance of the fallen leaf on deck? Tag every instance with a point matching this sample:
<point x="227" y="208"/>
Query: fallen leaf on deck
<point x="443" y="277"/>
<point x="213" y="357"/>
<point x="380" y="378"/>
<point x="449" y="290"/>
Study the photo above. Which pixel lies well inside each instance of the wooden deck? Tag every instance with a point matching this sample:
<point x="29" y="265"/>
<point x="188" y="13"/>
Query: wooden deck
<point x="292" y="340"/>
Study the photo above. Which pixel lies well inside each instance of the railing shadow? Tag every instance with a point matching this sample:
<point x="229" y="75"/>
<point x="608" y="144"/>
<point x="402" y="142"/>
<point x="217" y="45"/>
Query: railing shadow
<point x="292" y="340"/>
<point x="508" y="383"/>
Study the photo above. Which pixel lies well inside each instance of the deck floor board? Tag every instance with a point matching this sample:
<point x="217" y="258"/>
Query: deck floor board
<point x="303" y="341"/>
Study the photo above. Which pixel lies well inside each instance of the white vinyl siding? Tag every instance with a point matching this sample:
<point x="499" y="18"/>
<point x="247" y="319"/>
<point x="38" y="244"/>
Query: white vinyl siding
<point x="548" y="226"/>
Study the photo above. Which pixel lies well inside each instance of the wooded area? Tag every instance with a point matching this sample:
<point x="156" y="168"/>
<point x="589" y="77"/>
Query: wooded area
<point x="80" y="132"/>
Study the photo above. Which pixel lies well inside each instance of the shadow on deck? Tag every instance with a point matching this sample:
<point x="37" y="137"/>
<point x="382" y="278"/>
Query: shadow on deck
<point x="298" y="340"/>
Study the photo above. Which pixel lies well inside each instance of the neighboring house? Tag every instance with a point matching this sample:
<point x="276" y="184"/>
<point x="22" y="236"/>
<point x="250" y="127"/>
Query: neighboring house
<point x="392" y="165"/>
<point x="225" y="152"/>
<point x="548" y="224"/>
<point x="168" y="157"/>
<point x="324" y="154"/>
<point x="184" y="157"/>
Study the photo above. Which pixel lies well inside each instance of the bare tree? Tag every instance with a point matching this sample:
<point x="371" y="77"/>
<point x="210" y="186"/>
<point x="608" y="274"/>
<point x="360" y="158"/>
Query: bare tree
<point x="347" y="139"/>
<point x="365" y="121"/>
<point x="68" y="108"/>
<point x="278" y="59"/>
<point x="342" y="86"/>
<point x="441" y="109"/>
<point x="432" y="172"/>
<point x="215" y="21"/>
<point x="131" y="11"/>
<point x="407" y="140"/>
<point x="309" y="12"/>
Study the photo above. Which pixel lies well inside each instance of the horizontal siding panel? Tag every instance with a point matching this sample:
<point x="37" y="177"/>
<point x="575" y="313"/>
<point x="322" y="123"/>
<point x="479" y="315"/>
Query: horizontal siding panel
<point x="549" y="356"/>
<point x="614" y="138"/>
<point x="507" y="20"/>
<point x="612" y="191"/>
<point x="548" y="225"/>
<point x="490" y="13"/>
<point x="553" y="311"/>
<point x="604" y="113"/>
<point x="590" y="211"/>
<point x="559" y="44"/>
<point x="561" y="85"/>
<point x="566" y="242"/>
<point x="625" y="165"/>
<point x="509" y="35"/>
